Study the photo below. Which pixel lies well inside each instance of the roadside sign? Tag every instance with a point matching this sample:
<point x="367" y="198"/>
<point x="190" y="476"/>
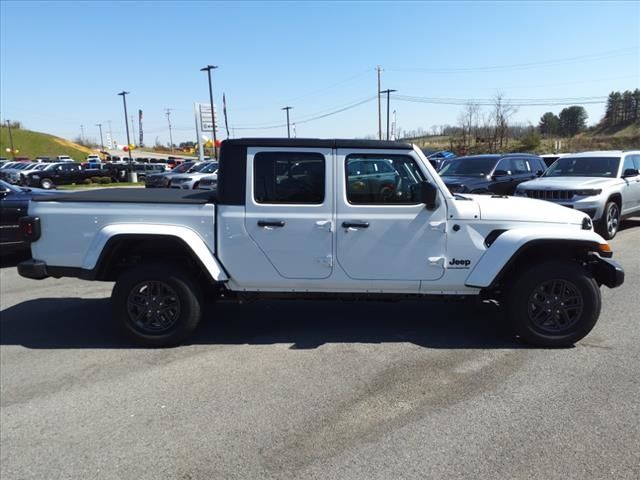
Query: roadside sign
<point x="206" y="120"/>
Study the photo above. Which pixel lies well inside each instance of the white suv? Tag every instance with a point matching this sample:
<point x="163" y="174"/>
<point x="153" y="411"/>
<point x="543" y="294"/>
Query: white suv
<point x="604" y="185"/>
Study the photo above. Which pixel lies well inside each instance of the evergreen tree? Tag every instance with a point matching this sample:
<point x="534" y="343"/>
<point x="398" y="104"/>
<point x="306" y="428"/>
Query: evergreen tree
<point x="573" y="120"/>
<point x="549" y="124"/>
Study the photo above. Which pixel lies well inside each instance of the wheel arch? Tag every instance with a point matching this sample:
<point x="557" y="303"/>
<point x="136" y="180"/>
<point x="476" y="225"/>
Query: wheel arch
<point x="513" y="251"/>
<point x="116" y="248"/>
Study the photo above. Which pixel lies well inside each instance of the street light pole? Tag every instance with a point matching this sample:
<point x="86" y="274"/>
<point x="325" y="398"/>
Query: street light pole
<point x="388" y="91"/>
<point x="13" y="151"/>
<point x="123" y="94"/>
<point x="99" y="125"/>
<point x="208" y="69"/>
<point x="167" y="112"/>
<point x="288" y="130"/>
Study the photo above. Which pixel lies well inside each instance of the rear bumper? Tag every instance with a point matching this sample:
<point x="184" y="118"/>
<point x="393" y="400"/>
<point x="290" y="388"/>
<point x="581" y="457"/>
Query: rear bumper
<point x="34" y="269"/>
<point x="607" y="272"/>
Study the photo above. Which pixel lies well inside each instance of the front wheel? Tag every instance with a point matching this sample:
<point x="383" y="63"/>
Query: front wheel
<point x="610" y="221"/>
<point x="156" y="305"/>
<point x="47" y="183"/>
<point x="554" y="304"/>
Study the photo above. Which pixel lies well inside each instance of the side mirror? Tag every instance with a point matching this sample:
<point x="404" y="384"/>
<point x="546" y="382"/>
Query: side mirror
<point x="539" y="173"/>
<point x="499" y="173"/>
<point x="428" y="195"/>
<point x="630" y="172"/>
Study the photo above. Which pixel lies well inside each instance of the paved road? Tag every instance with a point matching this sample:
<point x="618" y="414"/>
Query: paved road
<point x="315" y="390"/>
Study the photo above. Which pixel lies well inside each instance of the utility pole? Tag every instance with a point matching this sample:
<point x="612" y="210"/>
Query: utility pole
<point x="82" y="133"/>
<point x="167" y="112"/>
<point x="13" y="150"/>
<point x="388" y="91"/>
<point x="133" y="127"/>
<point x="124" y="94"/>
<point x="208" y="69"/>
<point x="99" y="125"/>
<point x="379" y="69"/>
<point x="288" y="130"/>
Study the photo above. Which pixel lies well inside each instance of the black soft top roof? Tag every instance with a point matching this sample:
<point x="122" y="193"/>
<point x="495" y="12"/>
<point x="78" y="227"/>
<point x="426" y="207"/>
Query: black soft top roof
<point x="317" y="142"/>
<point x="133" y="195"/>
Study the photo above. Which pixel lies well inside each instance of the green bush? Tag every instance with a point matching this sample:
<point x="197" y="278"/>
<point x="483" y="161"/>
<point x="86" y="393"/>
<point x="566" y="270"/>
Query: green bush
<point x="87" y="181"/>
<point x="94" y="179"/>
<point x="104" y="180"/>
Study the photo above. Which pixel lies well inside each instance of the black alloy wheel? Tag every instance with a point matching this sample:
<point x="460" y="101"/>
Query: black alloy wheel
<point x="153" y="307"/>
<point x="553" y="304"/>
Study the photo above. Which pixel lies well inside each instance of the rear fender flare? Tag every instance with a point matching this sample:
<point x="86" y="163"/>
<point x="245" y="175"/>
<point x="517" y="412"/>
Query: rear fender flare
<point x="190" y="238"/>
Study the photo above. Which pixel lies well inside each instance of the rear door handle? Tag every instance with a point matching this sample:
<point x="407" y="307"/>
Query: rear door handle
<point x="271" y="223"/>
<point x="351" y="224"/>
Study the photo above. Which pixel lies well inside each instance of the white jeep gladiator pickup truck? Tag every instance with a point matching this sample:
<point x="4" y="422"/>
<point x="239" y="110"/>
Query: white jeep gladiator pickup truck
<point x="311" y="218"/>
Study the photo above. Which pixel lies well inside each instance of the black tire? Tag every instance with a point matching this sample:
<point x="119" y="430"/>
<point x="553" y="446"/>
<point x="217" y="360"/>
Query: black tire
<point x="156" y="286"/>
<point x="47" y="183"/>
<point x="610" y="223"/>
<point x="554" y="304"/>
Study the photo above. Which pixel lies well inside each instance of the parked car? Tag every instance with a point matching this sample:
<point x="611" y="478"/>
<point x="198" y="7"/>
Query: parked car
<point x="604" y="185"/>
<point x="486" y="174"/>
<point x="316" y="238"/>
<point x="144" y="169"/>
<point x="64" y="158"/>
<point x="437" y="157"/>
<point x="13" y="206"/>
<point x="550" y="158"/>
<point x="161" y="180"/>
<point x="62" y="173"/>
<point x="209" y="182"/>
<point x="190" y="180"/>
<point x="12" y="174"/>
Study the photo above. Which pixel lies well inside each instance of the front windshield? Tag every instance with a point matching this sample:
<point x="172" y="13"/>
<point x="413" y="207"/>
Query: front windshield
<point x="584" y="167"/>
<point x="210" y="168"/>
<point x="469" y="167"/>
<point x="198" y="167"/>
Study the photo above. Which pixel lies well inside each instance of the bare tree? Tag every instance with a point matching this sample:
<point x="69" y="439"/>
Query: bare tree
<point x="502" y="113"/>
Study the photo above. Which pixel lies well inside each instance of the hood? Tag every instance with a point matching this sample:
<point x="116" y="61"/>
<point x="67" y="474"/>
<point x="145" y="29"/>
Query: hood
<point x="566" y="183"/>
<point x="469" y="181"/>
<point x="518" y="209"/>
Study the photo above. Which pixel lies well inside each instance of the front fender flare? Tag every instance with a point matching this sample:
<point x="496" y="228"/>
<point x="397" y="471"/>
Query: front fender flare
<point x="512" y="243"/>
<point x="189" y="237"/>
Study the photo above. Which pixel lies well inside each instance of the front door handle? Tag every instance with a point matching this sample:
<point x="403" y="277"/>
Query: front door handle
<point x="351" y="224"/>
<point x="271" y="223"/>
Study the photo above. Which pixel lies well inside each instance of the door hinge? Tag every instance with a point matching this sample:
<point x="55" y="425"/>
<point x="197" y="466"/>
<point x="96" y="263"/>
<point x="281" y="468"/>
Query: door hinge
<point x="327" y="260"/>
<point x="438" y="226"/>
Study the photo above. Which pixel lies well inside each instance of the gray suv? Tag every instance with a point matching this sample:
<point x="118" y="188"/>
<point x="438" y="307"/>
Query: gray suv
<point x="604" y="185"/>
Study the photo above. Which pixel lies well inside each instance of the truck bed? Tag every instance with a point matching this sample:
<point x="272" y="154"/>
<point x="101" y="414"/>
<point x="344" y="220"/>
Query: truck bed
<point x="133" y="195"/>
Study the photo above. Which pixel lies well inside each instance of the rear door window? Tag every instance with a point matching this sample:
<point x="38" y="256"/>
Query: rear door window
<point x="289" y="177"/>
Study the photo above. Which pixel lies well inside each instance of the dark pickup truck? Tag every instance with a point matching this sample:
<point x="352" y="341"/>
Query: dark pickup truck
<point x="63" y="173"/>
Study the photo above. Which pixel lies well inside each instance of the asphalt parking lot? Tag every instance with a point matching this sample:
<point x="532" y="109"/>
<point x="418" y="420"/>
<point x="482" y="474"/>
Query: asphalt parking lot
<point x="315" y="390"/>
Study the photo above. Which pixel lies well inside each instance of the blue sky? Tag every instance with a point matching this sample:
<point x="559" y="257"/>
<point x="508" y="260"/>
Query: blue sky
<point x="62" y="63"/>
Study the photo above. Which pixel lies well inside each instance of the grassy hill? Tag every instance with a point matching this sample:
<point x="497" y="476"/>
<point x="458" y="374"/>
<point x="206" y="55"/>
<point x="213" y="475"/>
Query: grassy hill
<point x="35" y="144"/>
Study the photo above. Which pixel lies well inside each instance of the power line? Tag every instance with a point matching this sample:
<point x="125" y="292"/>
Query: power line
<point x="524" y="66"/>
<point x="522" y="102"/>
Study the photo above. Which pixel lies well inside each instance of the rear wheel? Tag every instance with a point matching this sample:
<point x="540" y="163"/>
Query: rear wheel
<point x="47" y="183"/>
<point x="554" y="304"/>
<point x="156" y="305"/>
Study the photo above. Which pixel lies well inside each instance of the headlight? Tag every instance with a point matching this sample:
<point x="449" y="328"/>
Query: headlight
<point x="588" y="192"/>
